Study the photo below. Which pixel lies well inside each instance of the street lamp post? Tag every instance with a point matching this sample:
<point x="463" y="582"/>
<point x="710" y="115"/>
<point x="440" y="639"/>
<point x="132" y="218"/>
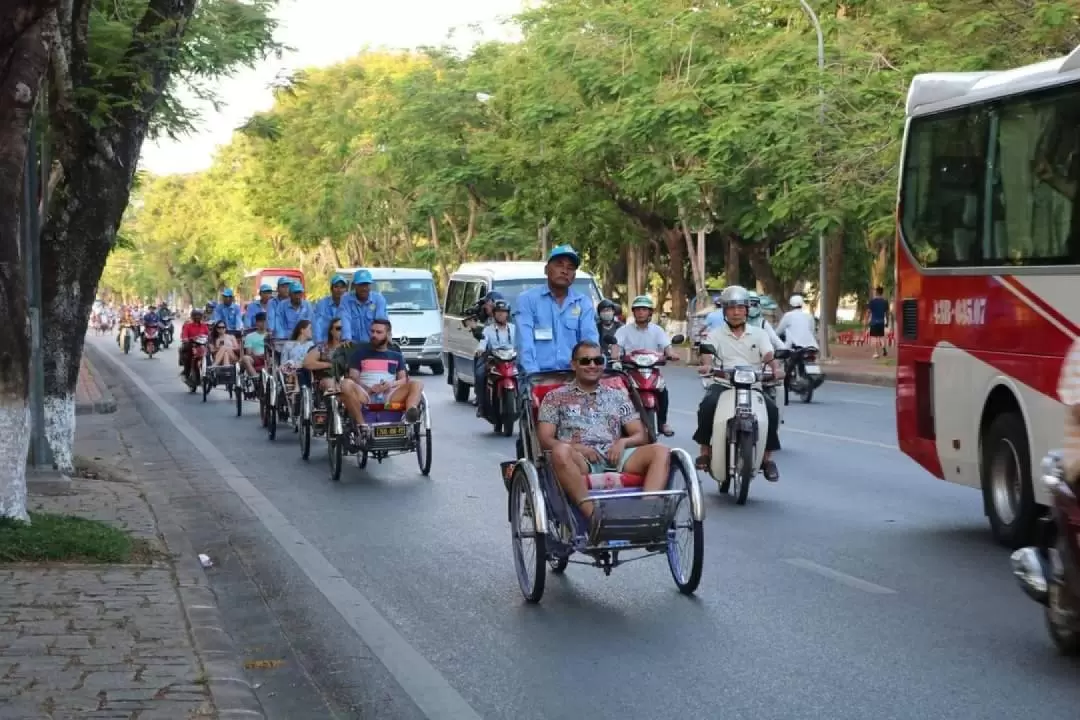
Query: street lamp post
<point x="823" y="274"/>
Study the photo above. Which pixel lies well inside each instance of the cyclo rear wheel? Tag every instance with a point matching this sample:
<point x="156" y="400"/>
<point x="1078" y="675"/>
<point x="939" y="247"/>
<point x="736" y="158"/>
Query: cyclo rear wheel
<point x="685" y="571"/>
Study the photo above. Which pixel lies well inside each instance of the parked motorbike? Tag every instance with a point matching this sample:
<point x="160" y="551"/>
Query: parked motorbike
<point x="802" y="374"/>
<point x="1049" y="571"/>
<point x="150" y="341"/>
<point x="643" y="369"/>
<point x="740" y="426"/>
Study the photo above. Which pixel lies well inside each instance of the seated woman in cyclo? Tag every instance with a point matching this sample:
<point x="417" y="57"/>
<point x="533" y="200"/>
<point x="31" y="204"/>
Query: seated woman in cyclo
<point x="320" y="358"/>
<point x="255" y="346"/>
<point x="296" y="349"/>
<point x="225" y="346"/>
<point x="378" y="375"/>
<point x="592" y="428"/>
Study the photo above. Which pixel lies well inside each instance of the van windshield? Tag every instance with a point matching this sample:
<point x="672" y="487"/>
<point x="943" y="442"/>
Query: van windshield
<point x="510" y="289"/>
<point x="402" y="294"/>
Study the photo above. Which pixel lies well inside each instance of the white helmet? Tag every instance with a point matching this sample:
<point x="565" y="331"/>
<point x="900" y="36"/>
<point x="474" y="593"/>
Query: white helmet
<point x="796" y="301"/>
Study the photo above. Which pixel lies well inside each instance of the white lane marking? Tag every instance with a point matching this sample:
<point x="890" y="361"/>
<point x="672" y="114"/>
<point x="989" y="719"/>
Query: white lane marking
<point x="827" y="436"/>
<point x="858" y="402"/>
<point x="842" y="578"/>
<point x="427" y="687"/>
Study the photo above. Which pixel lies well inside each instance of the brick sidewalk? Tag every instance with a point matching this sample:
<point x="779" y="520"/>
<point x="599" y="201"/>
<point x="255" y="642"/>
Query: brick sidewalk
<point x="91" y="395"/>
<point x="116" y="641"/>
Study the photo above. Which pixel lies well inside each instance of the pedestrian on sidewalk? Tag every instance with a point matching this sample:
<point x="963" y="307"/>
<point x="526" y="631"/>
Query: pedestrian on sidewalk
<point x="877" y="314"/>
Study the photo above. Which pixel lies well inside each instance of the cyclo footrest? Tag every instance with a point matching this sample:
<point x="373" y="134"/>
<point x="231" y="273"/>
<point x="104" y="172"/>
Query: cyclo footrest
<point x="634" y="520"/>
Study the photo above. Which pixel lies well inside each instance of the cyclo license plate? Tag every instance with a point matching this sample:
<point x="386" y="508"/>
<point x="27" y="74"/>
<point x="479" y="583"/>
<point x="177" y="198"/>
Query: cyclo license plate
<point x="812" y="369"/>
<point x="390" y="431"/>
<point x="318" y="417"/>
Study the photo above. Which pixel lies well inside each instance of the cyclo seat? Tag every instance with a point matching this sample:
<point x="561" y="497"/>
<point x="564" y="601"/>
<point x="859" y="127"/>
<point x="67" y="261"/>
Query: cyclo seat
<point x="596" y="481"/>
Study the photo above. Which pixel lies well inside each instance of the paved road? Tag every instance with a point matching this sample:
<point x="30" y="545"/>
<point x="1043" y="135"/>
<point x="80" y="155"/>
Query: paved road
<point x="856" y="587"/>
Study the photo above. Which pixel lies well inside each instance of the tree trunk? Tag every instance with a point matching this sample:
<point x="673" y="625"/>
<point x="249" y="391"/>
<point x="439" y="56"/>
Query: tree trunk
<point x="834" y="264"/>
<point x="676" y="245"/>
<point x="88" y="204"/>
<point x="757" y="256"/>
<point x="732" y="258"/>
<point x="24" y="57"/>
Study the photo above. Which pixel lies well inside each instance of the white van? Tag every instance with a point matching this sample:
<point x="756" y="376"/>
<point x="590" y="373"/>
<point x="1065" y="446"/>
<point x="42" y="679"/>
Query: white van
<point x="471" y="282"/>
<point x="414" y="313"/>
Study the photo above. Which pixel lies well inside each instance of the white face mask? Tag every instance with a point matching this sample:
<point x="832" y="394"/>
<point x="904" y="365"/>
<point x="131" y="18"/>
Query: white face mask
<point x="607" y="316"/>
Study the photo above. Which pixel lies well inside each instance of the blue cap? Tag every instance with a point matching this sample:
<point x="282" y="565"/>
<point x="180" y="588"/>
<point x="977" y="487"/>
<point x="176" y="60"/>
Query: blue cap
<point x="227" y="292"/>
<point x="565" y="251"/>
<point x="338" y="280"/>
<point x="266" y="287"/>
<point x="361" y="277"/>
<point x="283" y="280"/>
<point x="295" y="286"/>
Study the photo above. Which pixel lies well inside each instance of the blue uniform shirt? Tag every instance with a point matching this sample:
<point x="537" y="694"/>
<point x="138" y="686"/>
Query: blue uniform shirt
<point x="286" y="317"/>
<point x="228" y="314"/>
<point x="325" y="311"/>
<point x="547" y="333"/>
<point x="361" y="314"/>
<point x="256" y="307"/>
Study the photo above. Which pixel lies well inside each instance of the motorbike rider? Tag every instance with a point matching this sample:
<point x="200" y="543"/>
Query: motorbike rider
<point x="365" y="305"/>
<point x="193" y="328"/>
<point x="228" y="312"/>
<point x="127" y="320"/>
<point x="644" y="334"/>
<point x="331" y="308"/>
<point x="150" y="318"/>
<point x="755" y="317"/>
<point x="737" y="344"/>
<point x="262" y="305"/>
<point x="606" y="322"/>
<point x="499" y="334"/>
<point x="797" y="325"/>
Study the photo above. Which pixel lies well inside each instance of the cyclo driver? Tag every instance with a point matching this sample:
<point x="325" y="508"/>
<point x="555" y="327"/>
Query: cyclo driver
<point x="737" y="344"/>
<point x="499" y="334"/>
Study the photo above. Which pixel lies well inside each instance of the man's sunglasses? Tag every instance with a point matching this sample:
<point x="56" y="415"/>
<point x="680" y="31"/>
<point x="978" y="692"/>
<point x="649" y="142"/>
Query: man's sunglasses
<point x="591" y="360"/>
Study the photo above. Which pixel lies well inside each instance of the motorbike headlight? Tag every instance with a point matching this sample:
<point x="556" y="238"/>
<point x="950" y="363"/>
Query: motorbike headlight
<point x="644" y="360"/>
<point x="435" y="339"/>
<point x="745" y="377"/>
<point x="506" y="354"/>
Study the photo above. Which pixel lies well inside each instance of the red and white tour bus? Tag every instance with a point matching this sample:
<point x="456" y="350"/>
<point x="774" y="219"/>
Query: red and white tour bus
<point x="988" y="278"/>
<point x="255" y="278"/>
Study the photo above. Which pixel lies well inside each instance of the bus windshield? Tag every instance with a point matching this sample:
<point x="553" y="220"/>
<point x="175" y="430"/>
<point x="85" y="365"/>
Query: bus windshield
<point x="402" y="294"/>
<point x="511" y="289"/>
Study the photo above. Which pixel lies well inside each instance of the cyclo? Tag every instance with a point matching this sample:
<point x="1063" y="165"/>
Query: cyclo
<point x="214" y="375"/>
<point x="282" y="398"/>
<point x="668" y="521"/>
<point x="385" y="431"/>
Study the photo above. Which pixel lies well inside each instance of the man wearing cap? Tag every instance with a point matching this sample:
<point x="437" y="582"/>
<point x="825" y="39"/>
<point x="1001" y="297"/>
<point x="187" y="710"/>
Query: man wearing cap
<point x="332" y="308"/>
<point x="283" y="285"/>
<point x="287" y="314"/>
<point x="364" y="305"/>
<point x="552" y="318"/>
<point x="228" y="312"/>
<point x="262" y="305"/>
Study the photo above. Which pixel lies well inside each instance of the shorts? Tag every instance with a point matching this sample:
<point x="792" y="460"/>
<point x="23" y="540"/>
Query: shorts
<point x="877" y="330"/>
<point x="603" y="466"/>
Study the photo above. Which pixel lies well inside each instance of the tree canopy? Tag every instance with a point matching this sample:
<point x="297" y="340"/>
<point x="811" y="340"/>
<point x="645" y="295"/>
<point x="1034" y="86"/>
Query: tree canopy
<point x="629" y="129"/>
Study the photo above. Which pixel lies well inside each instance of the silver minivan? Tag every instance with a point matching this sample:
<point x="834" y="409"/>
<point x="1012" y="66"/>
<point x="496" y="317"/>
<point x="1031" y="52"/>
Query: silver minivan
<point x="467" y="285"/>
<point x="413" y="308"/>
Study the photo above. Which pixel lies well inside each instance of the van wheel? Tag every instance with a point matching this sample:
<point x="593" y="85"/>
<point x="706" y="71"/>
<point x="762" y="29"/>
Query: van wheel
<point x="437" y="369"/>
<point x="1008" y="493"/>
<point x="450" y="366"/>
<point x="461" y="391"/>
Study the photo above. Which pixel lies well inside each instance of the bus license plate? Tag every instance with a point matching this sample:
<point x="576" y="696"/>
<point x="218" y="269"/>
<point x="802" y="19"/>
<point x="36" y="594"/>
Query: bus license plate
<point x="392" y="431"/>
<point x="812" y="369"/>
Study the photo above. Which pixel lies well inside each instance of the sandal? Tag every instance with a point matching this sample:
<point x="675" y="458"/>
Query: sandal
<point x="593" y="520"/>
<point x="703" y="462"/>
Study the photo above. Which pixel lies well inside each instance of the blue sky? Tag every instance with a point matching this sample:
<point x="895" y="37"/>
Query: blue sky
<point x="324" y="32"/>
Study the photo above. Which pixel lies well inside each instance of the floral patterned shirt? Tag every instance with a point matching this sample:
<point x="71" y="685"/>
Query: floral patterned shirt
<point x="594" y="419"/>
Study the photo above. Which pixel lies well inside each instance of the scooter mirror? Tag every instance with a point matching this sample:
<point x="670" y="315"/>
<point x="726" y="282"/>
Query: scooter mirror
<point x="678" y="340"/>
<point x="609" y="339"/>
<point x="707" y="349"/>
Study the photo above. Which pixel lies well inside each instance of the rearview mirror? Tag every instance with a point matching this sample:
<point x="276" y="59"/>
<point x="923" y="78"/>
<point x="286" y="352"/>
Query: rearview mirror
<point x="678" y="340"/>
<point x="609" y="339"/>
<point x="707" y="349"/>
<point x="478" y="332"/>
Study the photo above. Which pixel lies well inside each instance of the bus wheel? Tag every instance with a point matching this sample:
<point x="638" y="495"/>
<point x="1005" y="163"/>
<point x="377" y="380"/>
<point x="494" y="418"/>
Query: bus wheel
<point x="1006" y="481"/>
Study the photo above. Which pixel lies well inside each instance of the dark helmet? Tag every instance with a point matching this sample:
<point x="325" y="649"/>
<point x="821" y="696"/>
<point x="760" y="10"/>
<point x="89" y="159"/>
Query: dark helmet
<point x="607" y="304"/>
<point x="493" y="296"/>
<point x="501" y="305"/>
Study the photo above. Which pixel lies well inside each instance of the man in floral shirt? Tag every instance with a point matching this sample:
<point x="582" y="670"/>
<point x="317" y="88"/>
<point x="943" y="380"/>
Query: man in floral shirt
<point x="591" y="427"/>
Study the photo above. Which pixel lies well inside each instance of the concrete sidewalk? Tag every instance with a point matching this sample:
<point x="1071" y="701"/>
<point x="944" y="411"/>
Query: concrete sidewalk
<point x="849" y="363"/>
<point x="117" y="641"/>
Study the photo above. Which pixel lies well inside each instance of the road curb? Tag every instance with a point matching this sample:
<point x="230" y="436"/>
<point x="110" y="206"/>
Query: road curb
<point x="859" y="378"/>
<point x="233" y="696"/>
<point x="107" y="403"/>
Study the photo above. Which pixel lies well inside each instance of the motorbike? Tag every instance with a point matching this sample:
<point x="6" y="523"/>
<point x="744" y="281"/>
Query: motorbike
<point x="195" y="364"/>
<point x="126" y="338"/>
<point x="1049" y="571"/>
<point x="167" y="332"/>
<point x="502" y="389"/>
<point x="739" y="426"/>
<point x="802" y="374"/>
<point x="150" y="340"/>
<point x="643" y="369"/>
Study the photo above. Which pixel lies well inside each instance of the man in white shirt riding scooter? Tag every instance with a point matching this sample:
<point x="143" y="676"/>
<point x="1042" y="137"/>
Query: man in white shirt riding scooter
<point x="797" y="325"/>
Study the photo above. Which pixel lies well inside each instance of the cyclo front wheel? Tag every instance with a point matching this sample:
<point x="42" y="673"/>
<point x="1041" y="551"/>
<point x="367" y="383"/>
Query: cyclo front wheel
<point x="530" y="547"/>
